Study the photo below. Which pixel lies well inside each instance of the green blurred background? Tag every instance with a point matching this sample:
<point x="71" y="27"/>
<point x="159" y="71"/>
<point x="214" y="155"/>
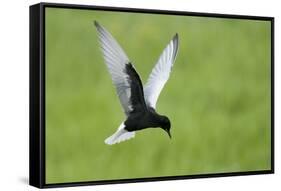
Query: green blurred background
<point x="217" y="97"/>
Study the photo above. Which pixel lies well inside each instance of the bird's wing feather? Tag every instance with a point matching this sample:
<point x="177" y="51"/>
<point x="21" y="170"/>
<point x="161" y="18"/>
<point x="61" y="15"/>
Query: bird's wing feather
<point x="120" y="135"/>
<point x="125" y="78"/>
<point x="160" y="73"/>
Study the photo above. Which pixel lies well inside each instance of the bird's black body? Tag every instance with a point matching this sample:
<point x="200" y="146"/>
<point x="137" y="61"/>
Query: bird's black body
<point x="142" y="116"/>
<point x="142" y="120"/>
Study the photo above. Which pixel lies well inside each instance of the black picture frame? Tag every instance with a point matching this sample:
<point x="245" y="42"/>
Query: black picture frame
<point x="37" y="94"/>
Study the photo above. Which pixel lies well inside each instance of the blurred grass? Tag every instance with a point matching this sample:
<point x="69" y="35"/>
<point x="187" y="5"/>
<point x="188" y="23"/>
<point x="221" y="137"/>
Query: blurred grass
<point x="217" y="98"/>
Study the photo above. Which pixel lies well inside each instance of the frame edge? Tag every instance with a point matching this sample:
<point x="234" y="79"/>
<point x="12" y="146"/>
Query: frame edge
<point x="35" y="128"/>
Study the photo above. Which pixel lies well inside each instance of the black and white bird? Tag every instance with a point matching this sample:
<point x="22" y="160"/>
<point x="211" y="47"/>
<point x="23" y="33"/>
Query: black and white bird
<point x="139" y="104"/>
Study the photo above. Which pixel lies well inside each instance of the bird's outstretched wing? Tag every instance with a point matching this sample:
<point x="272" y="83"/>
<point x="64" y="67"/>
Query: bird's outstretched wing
<point x="125" y="78"/>
<point x="160" y="73"/>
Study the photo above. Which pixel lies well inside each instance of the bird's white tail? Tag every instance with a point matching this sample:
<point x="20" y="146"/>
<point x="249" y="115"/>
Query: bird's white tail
<point x="120" y="135"/>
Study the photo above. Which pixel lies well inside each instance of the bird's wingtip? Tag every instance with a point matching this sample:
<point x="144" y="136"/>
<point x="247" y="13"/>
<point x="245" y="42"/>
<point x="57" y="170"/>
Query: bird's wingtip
<point x="176" y="36"/>
<point x="96" y="23"/>
<point x="175" y="42"/>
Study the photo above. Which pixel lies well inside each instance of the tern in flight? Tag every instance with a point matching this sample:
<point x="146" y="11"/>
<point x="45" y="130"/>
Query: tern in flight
<point x="139" y="104"/>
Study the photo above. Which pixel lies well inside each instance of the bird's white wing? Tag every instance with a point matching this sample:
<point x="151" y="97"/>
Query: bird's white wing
<point x="160" y="73"/>
<point x="120" y="135"/>
<point x="116" y="61"/>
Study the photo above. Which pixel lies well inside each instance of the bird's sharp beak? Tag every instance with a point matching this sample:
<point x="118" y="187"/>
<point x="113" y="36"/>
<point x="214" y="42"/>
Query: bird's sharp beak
<point x="168" y="131"/>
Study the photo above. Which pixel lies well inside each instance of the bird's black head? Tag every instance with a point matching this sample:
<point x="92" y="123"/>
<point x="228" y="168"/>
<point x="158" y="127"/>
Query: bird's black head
<point x="166" y="125"/>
